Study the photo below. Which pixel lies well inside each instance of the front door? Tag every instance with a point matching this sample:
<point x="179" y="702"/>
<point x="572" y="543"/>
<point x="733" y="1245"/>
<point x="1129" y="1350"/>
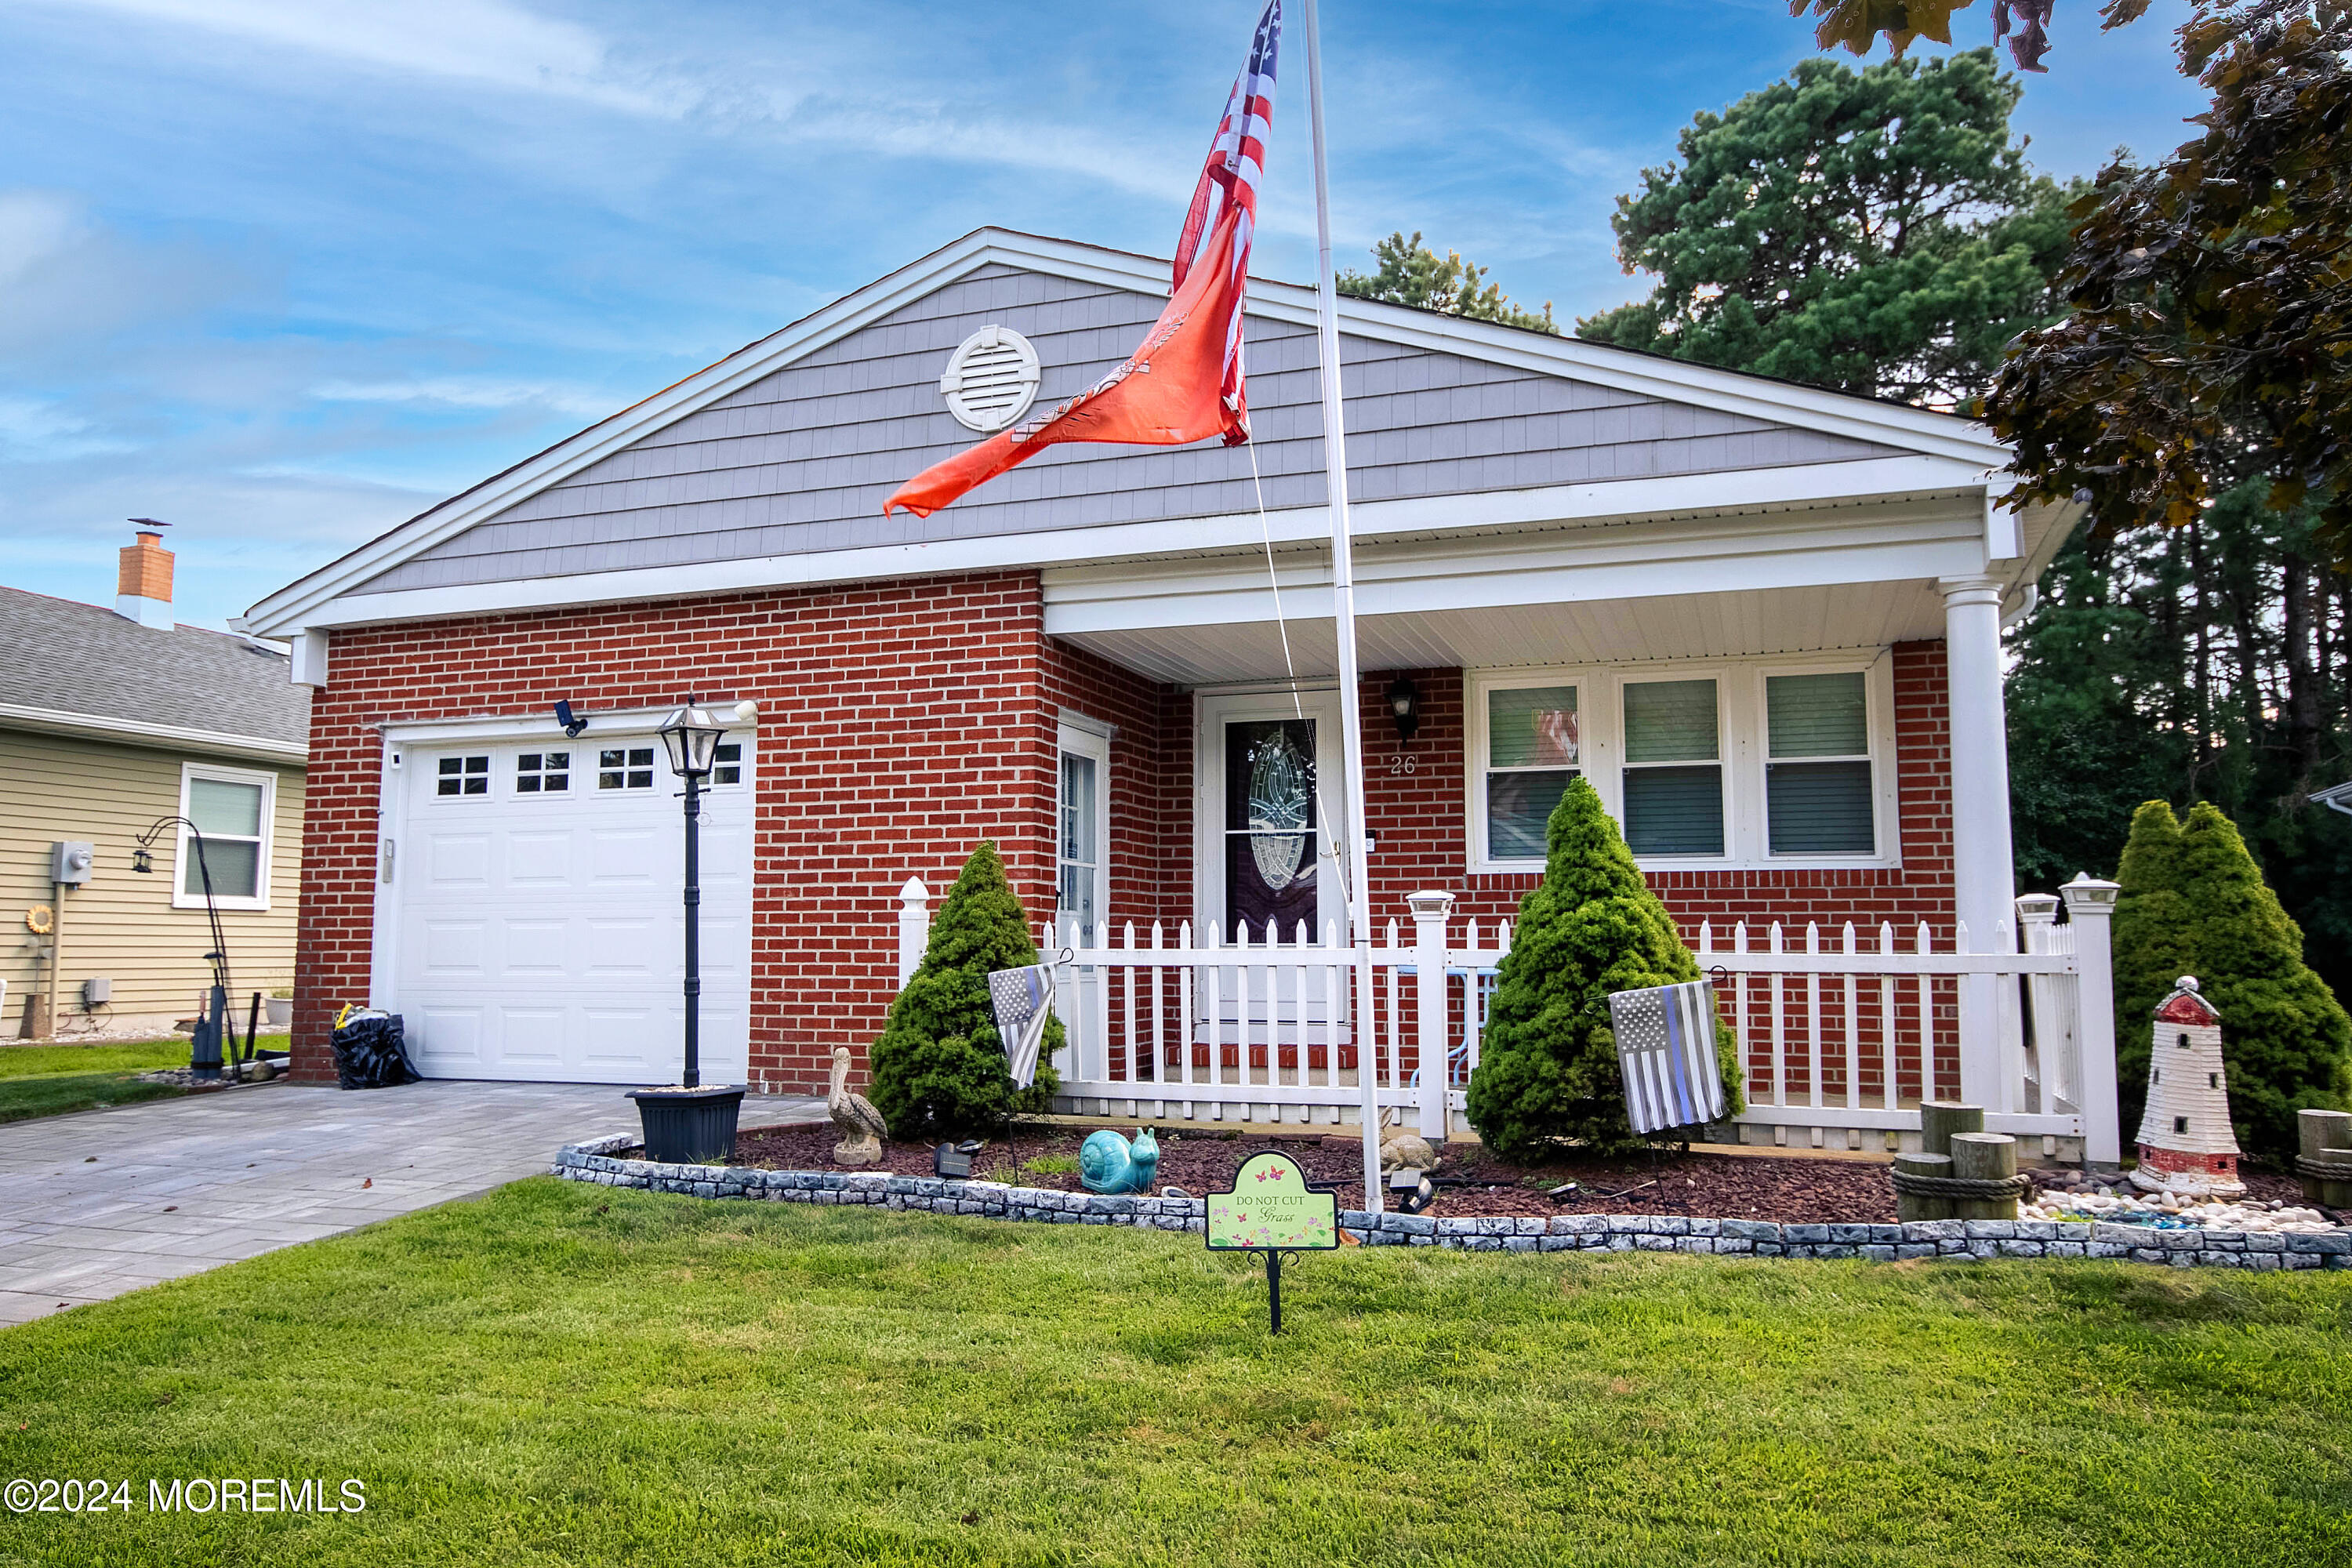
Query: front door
<point x="1268" y="786"/>
<point x="1272" y="846"/>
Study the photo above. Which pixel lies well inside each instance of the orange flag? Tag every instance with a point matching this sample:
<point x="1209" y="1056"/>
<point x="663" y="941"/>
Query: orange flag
<point x="1170" y="391"/>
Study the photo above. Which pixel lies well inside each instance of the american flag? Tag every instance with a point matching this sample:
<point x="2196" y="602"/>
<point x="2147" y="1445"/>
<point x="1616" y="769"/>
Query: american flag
<point x="1229" y="179"/>
<point x="1022" y="1000"/>
<point x="1665" y="1049"/>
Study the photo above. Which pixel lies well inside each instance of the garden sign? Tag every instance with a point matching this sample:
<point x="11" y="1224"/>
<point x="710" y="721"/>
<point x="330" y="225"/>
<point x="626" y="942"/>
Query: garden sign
<point x="1272" y="1210"/>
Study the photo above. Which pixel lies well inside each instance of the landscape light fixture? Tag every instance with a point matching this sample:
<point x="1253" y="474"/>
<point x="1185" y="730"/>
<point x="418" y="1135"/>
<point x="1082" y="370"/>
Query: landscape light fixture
<point x="1404" y="708"/>
<point x="572" y="724"/>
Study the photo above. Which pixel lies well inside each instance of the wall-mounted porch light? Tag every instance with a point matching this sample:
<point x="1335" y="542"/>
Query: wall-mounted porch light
<point x="1404" y="708"/>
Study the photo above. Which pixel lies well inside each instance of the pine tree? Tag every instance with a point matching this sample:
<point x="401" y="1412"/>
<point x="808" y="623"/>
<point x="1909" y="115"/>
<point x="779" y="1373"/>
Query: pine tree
<point x="1547" y="1063"/>
<point x="940" y="1067"/>
<point x="2194" y="902"/>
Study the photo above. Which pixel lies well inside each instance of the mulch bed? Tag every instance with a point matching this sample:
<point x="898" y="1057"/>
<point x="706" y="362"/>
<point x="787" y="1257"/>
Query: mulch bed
<point x="1722" y="1186"/>
<point x="1780" y="1187"/>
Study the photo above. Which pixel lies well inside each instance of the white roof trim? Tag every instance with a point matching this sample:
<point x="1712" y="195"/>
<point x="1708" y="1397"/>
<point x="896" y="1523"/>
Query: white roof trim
<point x="100" y="727"/>
<point x="1740" y="494"/>
<point x="300" y="604"/>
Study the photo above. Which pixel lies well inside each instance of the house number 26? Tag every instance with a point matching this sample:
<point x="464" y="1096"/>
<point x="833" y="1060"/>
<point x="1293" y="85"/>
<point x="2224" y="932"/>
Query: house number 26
<point x="1400" y="766"/>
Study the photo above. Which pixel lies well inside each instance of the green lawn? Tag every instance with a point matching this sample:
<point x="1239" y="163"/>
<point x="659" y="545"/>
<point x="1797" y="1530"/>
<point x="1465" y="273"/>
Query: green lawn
<point x="49" y="1080"/>
<point x="565" y="1374"/>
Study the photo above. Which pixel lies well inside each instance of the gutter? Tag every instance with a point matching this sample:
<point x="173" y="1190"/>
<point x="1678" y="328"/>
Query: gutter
<point x="98" y="727"/>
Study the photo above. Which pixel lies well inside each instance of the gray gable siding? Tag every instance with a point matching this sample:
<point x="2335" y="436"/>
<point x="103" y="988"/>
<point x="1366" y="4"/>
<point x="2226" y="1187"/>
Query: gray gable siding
<point x="800" y="460"/>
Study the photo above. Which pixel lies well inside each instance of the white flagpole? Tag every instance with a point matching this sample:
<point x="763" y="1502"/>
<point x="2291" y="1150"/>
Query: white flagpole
<point x="1348" y="843"/>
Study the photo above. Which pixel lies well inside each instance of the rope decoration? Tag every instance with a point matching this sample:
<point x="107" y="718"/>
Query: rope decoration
<point x="1974" y="1188"/>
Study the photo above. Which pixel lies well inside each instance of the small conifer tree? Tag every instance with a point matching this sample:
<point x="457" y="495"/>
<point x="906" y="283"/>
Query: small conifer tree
<point x="2194" y="902"/>
<point x="940" y="1067"/>
<point x="1547" y="1061"/>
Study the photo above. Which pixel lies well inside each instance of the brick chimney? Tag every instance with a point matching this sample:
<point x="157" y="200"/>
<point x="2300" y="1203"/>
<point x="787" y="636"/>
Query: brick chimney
<point x="142" y="586"/>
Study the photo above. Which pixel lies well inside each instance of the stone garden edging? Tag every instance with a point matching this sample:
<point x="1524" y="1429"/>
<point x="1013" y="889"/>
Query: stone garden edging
<point x="1953" y="1238"/>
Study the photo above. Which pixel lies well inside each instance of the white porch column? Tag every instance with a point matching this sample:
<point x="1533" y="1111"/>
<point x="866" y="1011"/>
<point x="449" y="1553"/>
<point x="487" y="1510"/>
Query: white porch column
<point x="1982" y="872"/>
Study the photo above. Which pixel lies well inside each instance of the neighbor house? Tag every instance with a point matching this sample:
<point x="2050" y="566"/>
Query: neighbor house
<point x="119" y="723"/>
<point x="1763" y="619"/>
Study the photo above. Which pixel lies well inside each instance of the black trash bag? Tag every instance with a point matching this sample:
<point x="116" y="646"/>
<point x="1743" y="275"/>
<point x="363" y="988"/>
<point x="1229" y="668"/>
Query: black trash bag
<point x="369" y="1053"/>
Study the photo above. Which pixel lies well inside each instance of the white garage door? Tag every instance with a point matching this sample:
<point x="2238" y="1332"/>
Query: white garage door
<point x="539" y="931"/>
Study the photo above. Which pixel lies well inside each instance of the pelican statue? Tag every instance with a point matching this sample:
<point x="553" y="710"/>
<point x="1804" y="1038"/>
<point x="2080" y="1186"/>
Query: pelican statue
<point x="861" y="1125"/>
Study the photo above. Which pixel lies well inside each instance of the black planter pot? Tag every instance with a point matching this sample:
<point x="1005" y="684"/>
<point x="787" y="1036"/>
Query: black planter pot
<point x="688" y="1126"/>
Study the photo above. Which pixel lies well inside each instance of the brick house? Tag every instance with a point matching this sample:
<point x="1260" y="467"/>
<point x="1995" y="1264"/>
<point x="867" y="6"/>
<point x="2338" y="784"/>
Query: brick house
<point x="1763" y="619"/>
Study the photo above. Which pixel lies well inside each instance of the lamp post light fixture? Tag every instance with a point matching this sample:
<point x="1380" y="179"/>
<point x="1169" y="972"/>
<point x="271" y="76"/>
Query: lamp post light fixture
<point x="695" y="1125"/>
<point x="1404" y="708"/>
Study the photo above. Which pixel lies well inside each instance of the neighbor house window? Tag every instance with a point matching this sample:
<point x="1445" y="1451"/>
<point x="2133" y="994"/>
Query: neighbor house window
<point x="232" y="809"/>
<point x="1674" y="770"/>
<point x="1532" y="750"/>
<point x="1817" y="792"/>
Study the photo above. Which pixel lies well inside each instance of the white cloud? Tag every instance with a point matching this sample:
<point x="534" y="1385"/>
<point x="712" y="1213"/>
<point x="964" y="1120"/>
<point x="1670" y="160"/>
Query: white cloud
<point x="473" y="392"/>
<point x="485" y="41"/>
<point x="34" y="430"/>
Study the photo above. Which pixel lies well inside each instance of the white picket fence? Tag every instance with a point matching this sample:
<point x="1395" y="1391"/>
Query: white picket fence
<point x="1842" y="1031"/>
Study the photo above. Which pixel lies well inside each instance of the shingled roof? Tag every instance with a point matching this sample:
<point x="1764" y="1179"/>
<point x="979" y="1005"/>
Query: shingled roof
<point x="68" y="659"/>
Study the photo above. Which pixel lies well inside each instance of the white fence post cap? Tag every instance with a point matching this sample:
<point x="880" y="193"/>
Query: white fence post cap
<point x="2091" y="894"/>
<point x="914" y="892"/>
<point x="1428" y="903"/>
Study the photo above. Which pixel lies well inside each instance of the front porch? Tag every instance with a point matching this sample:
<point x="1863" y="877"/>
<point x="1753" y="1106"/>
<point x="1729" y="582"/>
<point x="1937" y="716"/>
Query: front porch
<point x="1841" y="1033"/>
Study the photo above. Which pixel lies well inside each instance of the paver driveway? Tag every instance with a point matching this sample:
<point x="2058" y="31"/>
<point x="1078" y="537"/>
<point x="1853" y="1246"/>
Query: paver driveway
<point x="107" y="1201"/>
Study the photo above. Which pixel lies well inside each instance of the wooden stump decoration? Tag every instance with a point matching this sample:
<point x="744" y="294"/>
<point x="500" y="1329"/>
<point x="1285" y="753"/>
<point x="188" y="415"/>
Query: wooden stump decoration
<point x="2325" y="1157"/>
<point x="1961" y="1171"/>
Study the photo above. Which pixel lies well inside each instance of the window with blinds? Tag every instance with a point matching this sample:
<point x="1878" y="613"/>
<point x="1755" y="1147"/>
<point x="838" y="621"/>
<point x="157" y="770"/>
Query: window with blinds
<point x="1674" y="770"/>
<point x="1531" y="754"/>
<point x="1816" y="785"/>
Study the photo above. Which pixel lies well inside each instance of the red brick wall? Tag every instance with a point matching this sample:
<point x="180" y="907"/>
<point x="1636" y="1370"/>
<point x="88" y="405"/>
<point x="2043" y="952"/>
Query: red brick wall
<point x="902" y="721"/>
<point x="899" y="723"/>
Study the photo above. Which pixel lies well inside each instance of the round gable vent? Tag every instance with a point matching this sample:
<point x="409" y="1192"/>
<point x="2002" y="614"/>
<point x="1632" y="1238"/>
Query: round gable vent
<point x="991" y="380"/>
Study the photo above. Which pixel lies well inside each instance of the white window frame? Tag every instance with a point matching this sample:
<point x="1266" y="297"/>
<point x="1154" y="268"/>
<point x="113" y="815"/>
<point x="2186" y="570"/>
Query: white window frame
<point x="1476" y="750"/>
<point x="1742" y="746"/>
<point x="1089" y="738"/>
<point x="185" y="851"/>
<point x="1884" y="819"/>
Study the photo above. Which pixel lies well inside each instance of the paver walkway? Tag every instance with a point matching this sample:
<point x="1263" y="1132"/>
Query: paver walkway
<point x="103" y="1202"/>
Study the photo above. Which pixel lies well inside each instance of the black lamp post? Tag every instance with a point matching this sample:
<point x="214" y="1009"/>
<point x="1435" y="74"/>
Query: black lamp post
<point x="691" y="1124"/>
<point x="691" y="734"/>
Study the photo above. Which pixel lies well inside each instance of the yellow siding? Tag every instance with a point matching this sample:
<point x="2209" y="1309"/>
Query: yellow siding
<point x="121" y="924"/>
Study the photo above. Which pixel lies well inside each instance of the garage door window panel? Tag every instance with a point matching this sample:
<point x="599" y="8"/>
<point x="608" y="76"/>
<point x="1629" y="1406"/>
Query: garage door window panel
<point x="462" y="776"/>
<point x="543" y="773"/>
<point x="231" y="810"/>
<point x="625" y="767"/>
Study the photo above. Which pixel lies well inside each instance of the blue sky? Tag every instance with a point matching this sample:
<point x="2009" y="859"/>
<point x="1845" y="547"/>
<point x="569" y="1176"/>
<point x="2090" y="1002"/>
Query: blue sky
<point x="284" y="272"/>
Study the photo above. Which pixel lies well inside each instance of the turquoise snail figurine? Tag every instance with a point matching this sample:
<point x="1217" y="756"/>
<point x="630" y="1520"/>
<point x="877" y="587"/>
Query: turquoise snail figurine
<point x="1109" y="1163"/>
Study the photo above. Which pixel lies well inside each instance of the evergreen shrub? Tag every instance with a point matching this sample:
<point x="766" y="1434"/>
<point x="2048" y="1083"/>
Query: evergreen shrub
<point x="2194" y="902"/>
<point x="939" y="1066"/>
<point x="1548" y="1060"/>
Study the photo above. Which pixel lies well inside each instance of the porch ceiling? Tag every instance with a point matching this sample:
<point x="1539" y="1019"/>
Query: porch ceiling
<point x="1612" y="631"/>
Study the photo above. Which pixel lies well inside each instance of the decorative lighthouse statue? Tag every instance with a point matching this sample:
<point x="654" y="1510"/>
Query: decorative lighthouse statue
<point x="2186" y="1145"/>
